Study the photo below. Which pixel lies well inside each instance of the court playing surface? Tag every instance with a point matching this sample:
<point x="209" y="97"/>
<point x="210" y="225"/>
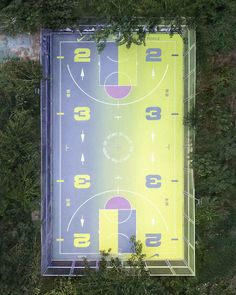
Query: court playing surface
<point x="117" y="147"/>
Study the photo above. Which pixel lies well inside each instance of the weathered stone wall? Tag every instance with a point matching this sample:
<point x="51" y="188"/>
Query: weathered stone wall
<point x="23" y="46"/>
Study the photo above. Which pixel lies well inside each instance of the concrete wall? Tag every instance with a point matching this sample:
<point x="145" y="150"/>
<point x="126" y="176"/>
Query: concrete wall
<point x="23" y="46"/>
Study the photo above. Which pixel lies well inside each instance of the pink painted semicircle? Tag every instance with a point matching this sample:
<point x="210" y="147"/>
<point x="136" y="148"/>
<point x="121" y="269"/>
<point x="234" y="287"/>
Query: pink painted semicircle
<point x="118" y="202"/>
<point x="117" y="92"/>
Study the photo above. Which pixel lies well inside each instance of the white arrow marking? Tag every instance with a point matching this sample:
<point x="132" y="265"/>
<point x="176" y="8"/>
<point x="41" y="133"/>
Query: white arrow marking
<point x="82" y="159"/>
<point x="68" y="92"/>
<point x="153" y="136"/>
<point x="153" y="72"/>
<point x="82" y="135"/>
<point x="153" y="221"/>
<point x="99" y="69"/>
<point x="82" y="221"/>
<point x="67" y="202"/>
<point x="66" y="148"/>
<point x="153" y="158"/>
<point x="82" y="74"/>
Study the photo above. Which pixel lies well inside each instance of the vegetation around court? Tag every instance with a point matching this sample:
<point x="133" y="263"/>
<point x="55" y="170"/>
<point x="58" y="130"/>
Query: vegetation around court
<point x="214" y="158"/>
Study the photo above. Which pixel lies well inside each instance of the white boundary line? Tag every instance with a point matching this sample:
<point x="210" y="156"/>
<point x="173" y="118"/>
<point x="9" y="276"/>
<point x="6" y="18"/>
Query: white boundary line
<point x="124" y="60"/>
<point x="175" y="217"/>
<point x="121" y="104"/>
<point x="60" y="157"/>
<point x="113" y="41"/>
<point x="127" y="191"/>
<point x="188" y="144"/>
<point x="112" y="85"/>
<point x="115" y="105"/>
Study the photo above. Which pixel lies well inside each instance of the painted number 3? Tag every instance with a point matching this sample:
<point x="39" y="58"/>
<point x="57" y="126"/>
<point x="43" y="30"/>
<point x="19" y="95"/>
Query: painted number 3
<point x="153" y="181"/>
<point x="82" y="181"/>
<point x="82" y="113"/>
<point x="153" y="113"/>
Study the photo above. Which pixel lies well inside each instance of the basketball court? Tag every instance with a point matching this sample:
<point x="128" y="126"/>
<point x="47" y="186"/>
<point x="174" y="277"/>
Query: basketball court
<point x="117" y="156"/>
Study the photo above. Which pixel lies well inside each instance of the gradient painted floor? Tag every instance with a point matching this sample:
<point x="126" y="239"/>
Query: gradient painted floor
<point x="117" y="150"/>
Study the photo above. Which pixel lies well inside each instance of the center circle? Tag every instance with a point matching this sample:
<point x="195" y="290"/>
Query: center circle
<point x="117" y="147"/>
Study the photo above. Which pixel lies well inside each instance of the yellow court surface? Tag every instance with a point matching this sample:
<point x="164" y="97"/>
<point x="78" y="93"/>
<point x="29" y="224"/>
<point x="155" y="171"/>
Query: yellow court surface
<point x="152" y="117"/>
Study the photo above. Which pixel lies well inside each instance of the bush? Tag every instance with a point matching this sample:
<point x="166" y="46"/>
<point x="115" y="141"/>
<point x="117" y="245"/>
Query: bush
<point x="19" y="176"/>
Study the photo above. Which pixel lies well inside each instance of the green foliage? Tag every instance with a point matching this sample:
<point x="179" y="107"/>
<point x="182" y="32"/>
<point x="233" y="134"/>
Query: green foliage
<point x="19" y="176"/>
<point x="64" y="286"/>
<point x="214" y="158"/>
<point x="215" y="174"/>
<point x="213" y="19"/>
<point x="111" y="278"/>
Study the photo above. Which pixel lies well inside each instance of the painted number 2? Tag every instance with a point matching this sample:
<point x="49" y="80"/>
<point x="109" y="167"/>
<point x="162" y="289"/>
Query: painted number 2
<point x="153" y="113"/>
<point x="153" y="54"/>
<point x="81" y="240"/>
<point x="153" y="240"/>
<point x="82" y="55"/>
<point x="153" y="181"/>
